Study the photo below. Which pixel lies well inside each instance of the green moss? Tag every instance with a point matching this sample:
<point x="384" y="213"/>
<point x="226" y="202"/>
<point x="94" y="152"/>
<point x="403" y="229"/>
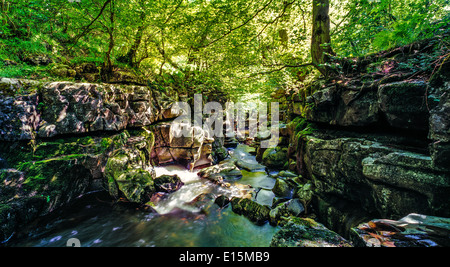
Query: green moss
<point x="307" y="222"/>
<point x="106" y="143"/>
<point x="121" y="139"/>
<point x="40" y="173"/>
<point x="254" y="211"/>
<point x="20" y="152"/>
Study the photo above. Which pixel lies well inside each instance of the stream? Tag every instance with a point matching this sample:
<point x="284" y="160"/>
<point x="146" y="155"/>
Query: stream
<point x="186" y="218"/>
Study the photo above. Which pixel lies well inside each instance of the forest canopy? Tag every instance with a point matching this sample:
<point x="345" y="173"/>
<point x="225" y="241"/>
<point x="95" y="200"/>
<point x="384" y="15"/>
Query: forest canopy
<point x="237" y="46"/>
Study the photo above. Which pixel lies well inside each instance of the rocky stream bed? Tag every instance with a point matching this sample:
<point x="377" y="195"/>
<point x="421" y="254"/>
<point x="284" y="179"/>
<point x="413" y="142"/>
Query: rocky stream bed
<point x="362" y="161"/>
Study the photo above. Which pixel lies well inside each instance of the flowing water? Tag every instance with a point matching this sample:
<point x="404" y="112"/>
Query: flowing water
<point x="186" y="218"/>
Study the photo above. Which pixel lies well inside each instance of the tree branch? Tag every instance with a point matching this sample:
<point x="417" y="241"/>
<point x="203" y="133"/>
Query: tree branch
<point x="280" y="69"/>
<point x="240" y="26"/>
<point x="86" y="29"/>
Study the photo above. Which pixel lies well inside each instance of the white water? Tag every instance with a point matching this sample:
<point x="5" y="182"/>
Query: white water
<point x="193" y="188"/>
<point x="103" y="223"/>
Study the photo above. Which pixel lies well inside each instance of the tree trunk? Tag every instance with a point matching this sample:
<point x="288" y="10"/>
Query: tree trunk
<point x="320" y="44"/>
<point x="109" y="65"/>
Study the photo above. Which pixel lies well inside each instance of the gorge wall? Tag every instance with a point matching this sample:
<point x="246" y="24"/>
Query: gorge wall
<point x="380" y="146"/>
<point x="62" y="140"/>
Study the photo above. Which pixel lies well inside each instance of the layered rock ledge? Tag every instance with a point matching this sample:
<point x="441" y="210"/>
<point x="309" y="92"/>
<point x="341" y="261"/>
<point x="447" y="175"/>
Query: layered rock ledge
<point x="62" y="140"/>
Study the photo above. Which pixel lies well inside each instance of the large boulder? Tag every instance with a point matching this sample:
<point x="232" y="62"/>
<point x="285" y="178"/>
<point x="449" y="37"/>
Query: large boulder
<point x="79" y="108"/>
<point x="181" y="143"/>
<point x="50" y="174"/>
<point x="299" y="232"/>
<point x="135" y="184"/>
<point x="402" y="103"/>
<point x="380" y="178"/>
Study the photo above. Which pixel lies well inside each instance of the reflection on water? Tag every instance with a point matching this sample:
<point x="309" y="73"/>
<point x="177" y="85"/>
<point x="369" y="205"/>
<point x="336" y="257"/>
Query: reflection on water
<point x="186" y="218"/>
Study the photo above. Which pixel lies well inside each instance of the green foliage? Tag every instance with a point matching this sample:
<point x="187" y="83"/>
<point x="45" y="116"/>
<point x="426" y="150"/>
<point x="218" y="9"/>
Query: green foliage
<point x="369" y="26"/>
<point x="232" y="46"/>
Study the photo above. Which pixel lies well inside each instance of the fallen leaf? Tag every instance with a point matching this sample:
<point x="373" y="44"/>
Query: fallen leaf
<point x="388" y="244"/>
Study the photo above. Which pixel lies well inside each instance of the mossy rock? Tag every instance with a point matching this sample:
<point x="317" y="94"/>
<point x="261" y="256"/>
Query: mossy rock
<point x="136" y="185"/>
<point x="51" y="174"/>
<point x="275" y="158"/>
<point x="254" y="211"/>
<point x="305" y="232"/>
<point x="16" y="153"/>
<point x="168" y="183"/>
<point x="63" y="71"/>
<point x="282" y="189"/>
<point x="128" y="180"/>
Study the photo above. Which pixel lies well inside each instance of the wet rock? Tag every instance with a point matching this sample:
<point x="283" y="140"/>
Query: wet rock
<point x="221" y="172"/>
<point x="305" y="193"/>
<point x="202" y="202"/>
<point x="222" y="201"/>
<point x="265" y="135"/>
<point x="414" y="230"/>
<point x="136" y="185"/>
<point x="284" y="210"/>
<point x="287" y="174"/>
<point x="264" y="197"/>
<point x="257" y="213"/>
<point x="168" y="183"/>
<point x="282" y="189"/>
<point x="275" y="158"/>
<point x="300" y="232"/>
<point x="127" y="179"/>
<point x="156" y="198"/>
<point x="249" y="165"/>
<point x="295" y="207"/>
<point x="219" y="152"/>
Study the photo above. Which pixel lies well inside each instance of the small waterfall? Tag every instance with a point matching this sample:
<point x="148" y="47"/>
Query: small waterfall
<point x="194" y="190"/>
